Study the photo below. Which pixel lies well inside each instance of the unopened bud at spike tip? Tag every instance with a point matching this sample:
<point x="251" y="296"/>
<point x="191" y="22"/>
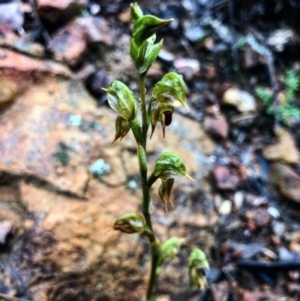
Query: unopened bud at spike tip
<point x="135" y="12"/>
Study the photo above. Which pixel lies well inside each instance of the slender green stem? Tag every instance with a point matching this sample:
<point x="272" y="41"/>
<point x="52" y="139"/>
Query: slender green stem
<point x="155" y="245"/>
<point x="154" y="265"/>
<point x="145" y="207"/>
<point x="144" y="108"/>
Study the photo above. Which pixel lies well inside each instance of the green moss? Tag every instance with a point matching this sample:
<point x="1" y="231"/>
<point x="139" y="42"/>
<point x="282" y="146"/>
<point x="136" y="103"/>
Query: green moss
<point x="287" y="111"/>
<point x="62" y="154"/>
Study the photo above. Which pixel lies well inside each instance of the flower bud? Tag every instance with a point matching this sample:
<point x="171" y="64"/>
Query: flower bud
<point x="171" y="89"/>
<point x="145" y="27"/>
<point x="169" y="166"/>
<point x="164" y="192"/>
<point x="198" y="265"/>
<point x="147" y="55"/>
<point x="130" y="223"/>
<point x="135" y="11"/>
<point x="170" y="248"/>
<point x="120" y="99"/>
<point x="122" y="128"/>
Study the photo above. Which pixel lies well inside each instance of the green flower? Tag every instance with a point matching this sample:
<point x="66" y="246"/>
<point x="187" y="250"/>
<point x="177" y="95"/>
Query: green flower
<point x="168" y="93"/>
<point x="170" y="248"/>
<point x="170" y="166"/>
<point x="198" y="265"/>
<point x="130" y="223"/>
<point x="171" y="89"/>
<point x="120" y="99"/>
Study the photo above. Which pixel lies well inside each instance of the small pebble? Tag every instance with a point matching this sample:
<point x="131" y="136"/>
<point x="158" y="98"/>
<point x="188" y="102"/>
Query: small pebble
<point x="225" y="207"/>
<point x="132" y="184"/>
<point x="278" y="228"/>
<point x="274" y="212"/>
<point x="285" y="254"/>
<point x="95" y="8"/>
<point x="166" y="56"/>
<point x="269" y="253"/>
<point x="238" y="200"/>
<point x="262" y="217"/>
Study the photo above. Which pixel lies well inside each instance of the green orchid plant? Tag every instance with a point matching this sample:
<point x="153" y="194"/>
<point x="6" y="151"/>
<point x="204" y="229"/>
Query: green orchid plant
<point x="168" y="93"/>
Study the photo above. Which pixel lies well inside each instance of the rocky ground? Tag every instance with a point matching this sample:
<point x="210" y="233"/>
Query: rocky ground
<point x="62" y="183"/>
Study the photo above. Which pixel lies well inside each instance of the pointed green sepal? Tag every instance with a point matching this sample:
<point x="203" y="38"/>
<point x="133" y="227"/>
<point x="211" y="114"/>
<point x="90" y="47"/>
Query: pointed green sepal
<point x="122" y="128"/>
<point x="130" y="223"/>
<point x="164" y="192"/>
<point x="170" y="248"/>
<point x="172" y="89"/>
<point x="120" y="99"/>
<point x="169" y="166"/>
<point x="145" y="27"/>
<point x="198" y="265"/>
<point x="135" y="12"/>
